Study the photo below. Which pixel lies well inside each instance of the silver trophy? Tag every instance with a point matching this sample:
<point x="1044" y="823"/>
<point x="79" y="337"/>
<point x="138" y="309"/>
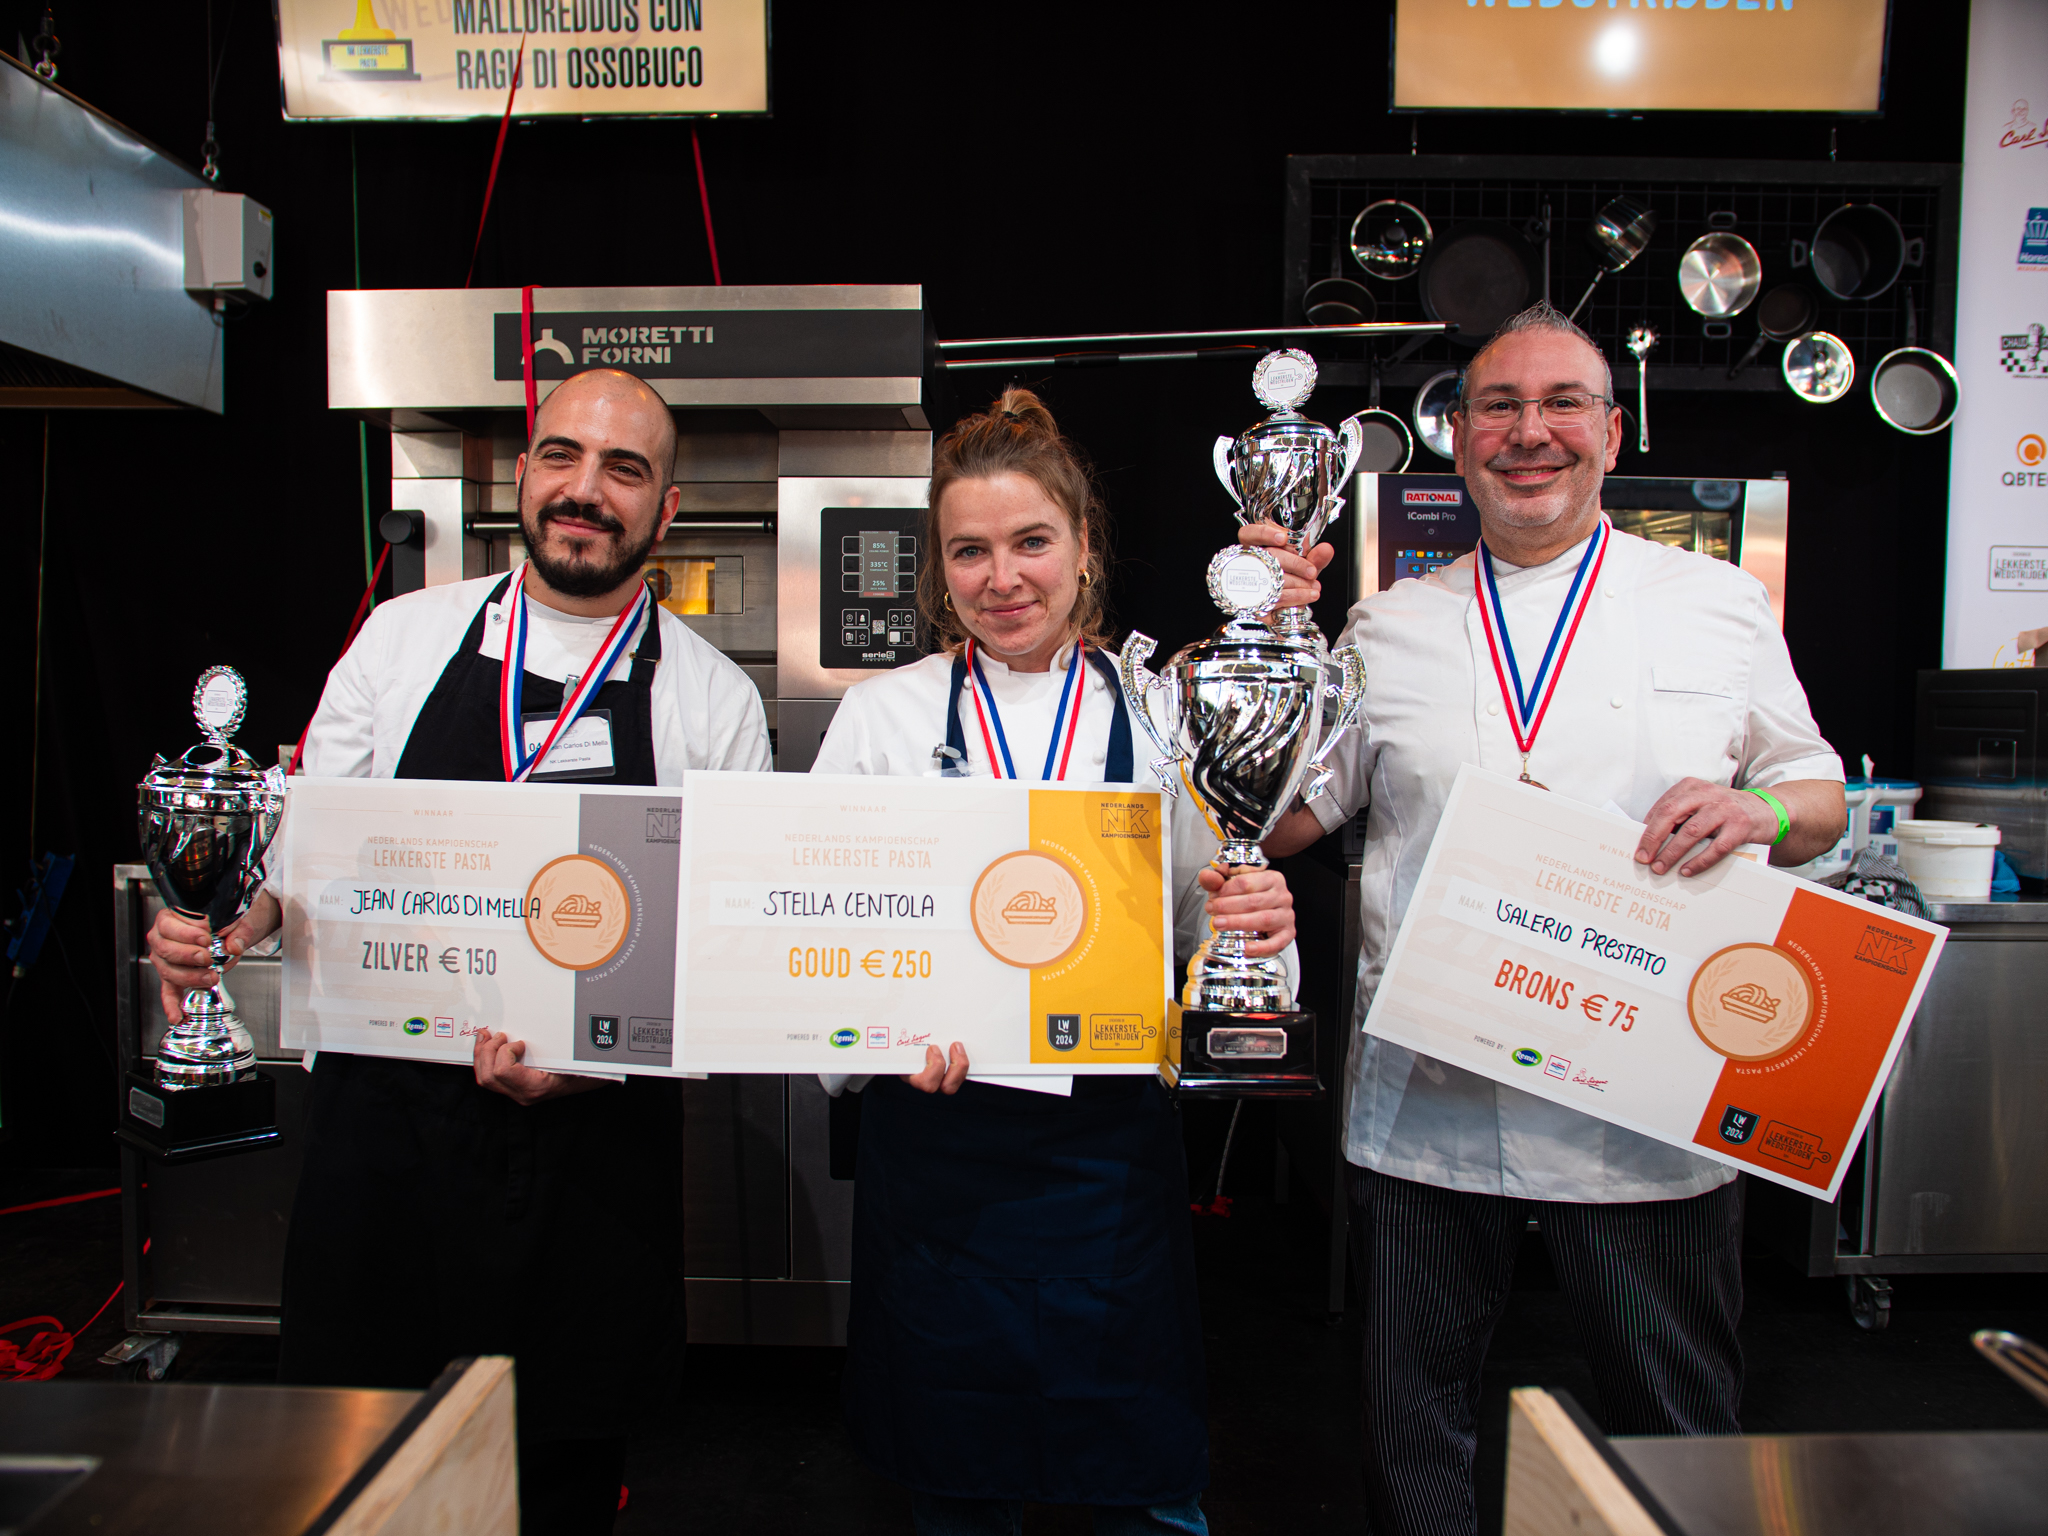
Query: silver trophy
<point x="1248" y="717"/>
<point x="1289" y="471"/>
<point x="206" y="820"/>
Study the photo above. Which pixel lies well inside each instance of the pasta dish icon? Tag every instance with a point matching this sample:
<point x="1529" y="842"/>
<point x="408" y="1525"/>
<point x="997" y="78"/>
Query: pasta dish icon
<point x="578" y="911"/>
<point x="1751" y="1001"/>
<point x="1030" y="907"/>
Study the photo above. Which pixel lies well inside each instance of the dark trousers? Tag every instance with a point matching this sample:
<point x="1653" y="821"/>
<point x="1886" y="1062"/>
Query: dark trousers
<point x="1655" y="1291"/>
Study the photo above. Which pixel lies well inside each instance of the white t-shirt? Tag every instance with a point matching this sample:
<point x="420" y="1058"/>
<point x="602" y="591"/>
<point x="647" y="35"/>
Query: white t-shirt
<point x="1678" y="671"/>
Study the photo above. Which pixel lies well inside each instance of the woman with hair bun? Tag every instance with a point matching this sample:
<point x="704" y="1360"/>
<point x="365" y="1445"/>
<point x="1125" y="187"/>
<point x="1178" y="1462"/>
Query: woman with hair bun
<point x="1024" y="1324"/>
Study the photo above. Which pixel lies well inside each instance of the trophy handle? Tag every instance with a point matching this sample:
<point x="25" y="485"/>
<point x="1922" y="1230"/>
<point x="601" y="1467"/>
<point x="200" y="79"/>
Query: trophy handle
<point x="1139" y="686"/>
<point x="1350" y="690"/>
<point x="1350" y="444"/>
<point x="1220" y="457"/>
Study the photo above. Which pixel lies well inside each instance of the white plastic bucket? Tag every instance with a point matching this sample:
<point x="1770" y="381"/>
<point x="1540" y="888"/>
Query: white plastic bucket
<point x="1893" y="803"/>
<point x="1948" y="860"/>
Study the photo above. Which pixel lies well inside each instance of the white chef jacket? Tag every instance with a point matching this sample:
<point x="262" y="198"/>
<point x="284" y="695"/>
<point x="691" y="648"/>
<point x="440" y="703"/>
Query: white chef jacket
<point x="890" y="725"/>
<point x="1678" y="672"/>
<point x="705" y="712"/>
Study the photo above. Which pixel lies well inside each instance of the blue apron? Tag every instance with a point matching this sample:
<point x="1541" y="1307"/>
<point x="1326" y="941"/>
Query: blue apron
<point x="1024" y="1322"/>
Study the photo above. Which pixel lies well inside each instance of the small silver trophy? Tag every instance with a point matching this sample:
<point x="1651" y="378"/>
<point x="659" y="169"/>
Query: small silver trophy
<point x="205" y="826"/>
<point x="1248" y="717"/>
<point x="1289" y="471"/>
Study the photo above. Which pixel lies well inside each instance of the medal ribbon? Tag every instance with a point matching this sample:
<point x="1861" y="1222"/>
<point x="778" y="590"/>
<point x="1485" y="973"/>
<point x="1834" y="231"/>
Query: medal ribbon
<point x="511" y="726"/>
<point x="1527" y="706"/>
<point x="1065" y="727"/>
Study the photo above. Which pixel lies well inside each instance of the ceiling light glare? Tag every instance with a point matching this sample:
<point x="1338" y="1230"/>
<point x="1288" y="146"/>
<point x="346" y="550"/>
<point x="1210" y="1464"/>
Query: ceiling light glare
<point x="1616" y="50"/>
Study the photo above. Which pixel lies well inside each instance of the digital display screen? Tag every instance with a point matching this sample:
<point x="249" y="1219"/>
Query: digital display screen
<point x="1692" y="56"/>
<point x="867" y="591"/>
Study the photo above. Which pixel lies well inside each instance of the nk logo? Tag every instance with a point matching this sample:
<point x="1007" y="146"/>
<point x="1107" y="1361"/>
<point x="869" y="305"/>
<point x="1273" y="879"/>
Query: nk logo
<point x="1126" y="818"/>
<point x="1886" y="949"/>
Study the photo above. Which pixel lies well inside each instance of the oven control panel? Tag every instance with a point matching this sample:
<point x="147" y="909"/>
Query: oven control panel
<point x="867" y="587"/>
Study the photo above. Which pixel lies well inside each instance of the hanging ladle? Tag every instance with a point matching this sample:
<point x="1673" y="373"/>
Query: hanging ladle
<point x="1620" y="233"/>
<point x="1640" y="340"/>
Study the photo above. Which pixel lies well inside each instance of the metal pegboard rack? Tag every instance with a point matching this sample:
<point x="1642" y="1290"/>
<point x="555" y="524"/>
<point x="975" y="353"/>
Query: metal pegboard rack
<point x="1774" y="202"/>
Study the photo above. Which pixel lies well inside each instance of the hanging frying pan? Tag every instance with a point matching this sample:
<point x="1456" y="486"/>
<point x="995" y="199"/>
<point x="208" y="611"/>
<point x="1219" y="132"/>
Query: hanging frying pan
<point x="1338" y="301"/>
<point x="1858" y="251"/>
<point x="1719" y="274"/>
<point x="1389" y="238"/>
<point x="1786" y="311"/>
<point x="1912" y="388"/>
<point x="1434" y="403"/>
<point x="1385" y="444"/>
<point x="1819" y="367"/>
<point x="1619" y="233"/>
<point x="1476" y="277"/>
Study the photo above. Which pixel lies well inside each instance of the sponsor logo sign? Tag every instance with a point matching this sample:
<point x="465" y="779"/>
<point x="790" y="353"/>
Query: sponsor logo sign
<point x="845" y="1039"/>
<point x="1527" y="1056"/>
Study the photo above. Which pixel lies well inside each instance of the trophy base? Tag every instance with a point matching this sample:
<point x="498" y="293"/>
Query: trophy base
<point x="1245" y="1056"/>
<point x="188" y="1125"/>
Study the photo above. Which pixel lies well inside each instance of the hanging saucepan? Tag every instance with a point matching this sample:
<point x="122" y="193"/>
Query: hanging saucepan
<point x="1819" y="367"/>
<point x="1719" y="274"/>
<point x="1619" y="233"/>
<point x="1434" y="403"/>
<point x="1787" y="311"/>
<point x="1858" y="251"/>
<point x="1389" y="238"/>
<point x="1476" y="277"/>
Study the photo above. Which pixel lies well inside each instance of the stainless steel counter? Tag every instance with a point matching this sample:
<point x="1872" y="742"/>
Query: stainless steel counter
<point x="1847" y="1485"/>
<point x="187" y="1458"/>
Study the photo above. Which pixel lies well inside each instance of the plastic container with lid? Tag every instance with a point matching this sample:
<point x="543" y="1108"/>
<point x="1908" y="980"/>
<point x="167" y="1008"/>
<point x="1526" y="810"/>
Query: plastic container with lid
<point x="1889" y="801"/>
<point x="1948" y="860"/>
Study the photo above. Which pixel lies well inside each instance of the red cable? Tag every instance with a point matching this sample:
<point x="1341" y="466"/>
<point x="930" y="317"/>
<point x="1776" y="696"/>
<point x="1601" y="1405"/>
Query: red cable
<point x="355" y="624"/>
<point x="47" y="1350"/>
<point x="40" y="1205"/>
<point x="704" y="196"/>
<point x="497" y="154"/>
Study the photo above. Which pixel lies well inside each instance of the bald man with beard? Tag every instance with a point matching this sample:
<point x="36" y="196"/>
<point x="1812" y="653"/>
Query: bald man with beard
<point x="497" y="1209"/>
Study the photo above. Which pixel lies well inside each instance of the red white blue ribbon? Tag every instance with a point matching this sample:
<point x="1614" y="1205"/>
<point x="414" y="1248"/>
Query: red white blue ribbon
<point x="1066" y="723"/>
<point x="511" y="725"/>
<point x="1527" y="704"/>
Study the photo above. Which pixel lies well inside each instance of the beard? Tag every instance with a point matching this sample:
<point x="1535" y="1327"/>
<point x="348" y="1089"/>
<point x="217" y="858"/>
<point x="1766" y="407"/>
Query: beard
<point x="1566" y="496"/>
<point x="601" y="567"/>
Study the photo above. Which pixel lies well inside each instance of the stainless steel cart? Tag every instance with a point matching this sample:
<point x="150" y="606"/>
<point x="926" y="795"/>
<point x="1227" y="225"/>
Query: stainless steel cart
<point x="1952" y="1177"/>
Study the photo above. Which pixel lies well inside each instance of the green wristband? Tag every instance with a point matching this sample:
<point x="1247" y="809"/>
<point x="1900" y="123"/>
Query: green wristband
<point x="1777" y="805"/>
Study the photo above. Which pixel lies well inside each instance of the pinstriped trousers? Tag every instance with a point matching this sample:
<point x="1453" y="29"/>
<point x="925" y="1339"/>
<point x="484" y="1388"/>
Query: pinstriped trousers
<point x="1655" y="1291"/>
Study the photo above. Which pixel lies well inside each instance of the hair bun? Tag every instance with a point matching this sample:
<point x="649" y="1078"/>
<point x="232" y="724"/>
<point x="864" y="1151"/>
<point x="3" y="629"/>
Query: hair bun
<point x="1021" y="405"/>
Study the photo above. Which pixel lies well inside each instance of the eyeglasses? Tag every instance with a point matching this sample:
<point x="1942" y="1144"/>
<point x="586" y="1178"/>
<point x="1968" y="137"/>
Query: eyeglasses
<point x="1496" y="413"/>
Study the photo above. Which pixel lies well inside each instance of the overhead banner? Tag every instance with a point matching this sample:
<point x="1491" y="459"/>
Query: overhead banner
<point x="583" y="58"/>
<point x="1998" y="450"/>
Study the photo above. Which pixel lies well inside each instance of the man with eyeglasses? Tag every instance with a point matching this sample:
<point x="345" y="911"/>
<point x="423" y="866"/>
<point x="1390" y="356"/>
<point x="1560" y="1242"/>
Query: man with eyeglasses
<point x="1672" y="698"/>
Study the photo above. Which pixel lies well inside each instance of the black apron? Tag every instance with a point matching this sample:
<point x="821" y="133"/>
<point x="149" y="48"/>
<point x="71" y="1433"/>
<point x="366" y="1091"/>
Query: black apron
<point x="435" y="1218"/>
<point x="1024" y="1321"/>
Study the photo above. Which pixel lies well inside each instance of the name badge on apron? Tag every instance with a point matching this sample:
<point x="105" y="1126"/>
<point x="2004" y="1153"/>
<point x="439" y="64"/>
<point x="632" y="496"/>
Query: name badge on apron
<point x="583" y="751"/>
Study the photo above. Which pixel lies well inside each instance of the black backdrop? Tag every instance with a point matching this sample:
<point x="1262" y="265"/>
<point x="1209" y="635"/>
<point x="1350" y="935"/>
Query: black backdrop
<point x="1038" y="169"/>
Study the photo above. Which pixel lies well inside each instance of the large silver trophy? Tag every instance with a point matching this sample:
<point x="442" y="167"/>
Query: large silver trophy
<point x="1248" y="718"/>
<point x="206" y="820"/>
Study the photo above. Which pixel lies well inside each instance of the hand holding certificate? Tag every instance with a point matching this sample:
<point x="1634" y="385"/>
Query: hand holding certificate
<point x="740" y="923"/>
<point x="1742" y="1013"/>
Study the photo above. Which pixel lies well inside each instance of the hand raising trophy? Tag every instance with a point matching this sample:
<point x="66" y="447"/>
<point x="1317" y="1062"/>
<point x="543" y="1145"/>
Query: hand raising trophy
<point x="206" y="820"/>
<point x="1247" y="718"/>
